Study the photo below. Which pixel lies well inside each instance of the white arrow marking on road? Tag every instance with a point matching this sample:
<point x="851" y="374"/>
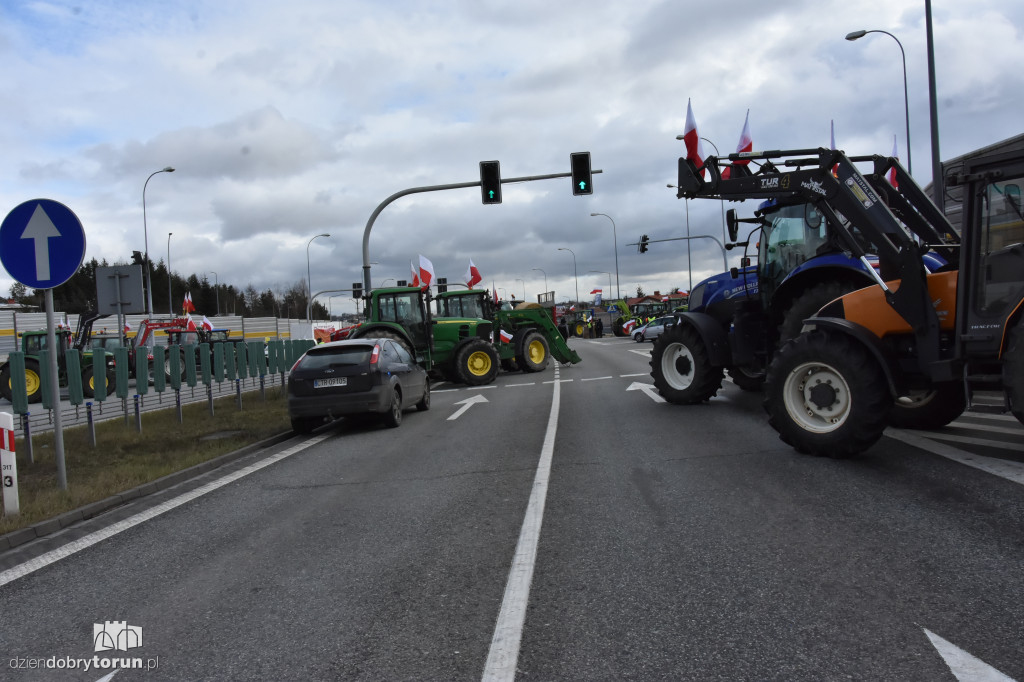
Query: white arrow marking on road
<point x="649" y="389"/>
<point x="965" y="667"/>
<point x="41" y="228"/>
<point x="466" y="404"/>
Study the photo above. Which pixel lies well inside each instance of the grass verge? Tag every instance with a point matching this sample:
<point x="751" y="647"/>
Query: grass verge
<point x="124" y="458"/>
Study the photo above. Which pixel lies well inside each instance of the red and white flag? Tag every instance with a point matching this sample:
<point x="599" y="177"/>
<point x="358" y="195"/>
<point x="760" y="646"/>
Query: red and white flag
<point x="415" y="275"/>
<point x="472" y="275"/>
<point x="186" y="305"/>
<point x="596" y="291"/>
<point x="628" y="327"/>
<point x="127" y="327"/>
<point x="694" y="148"/>
<point x="892" y="171"/>
<point x="190" y="324"/>
<point x="746" y="144"/>
<point x="426" y="272"/>
<point x="505" y="336"/>
<point x="495" y="294"/>
<point x="207" y="325"/>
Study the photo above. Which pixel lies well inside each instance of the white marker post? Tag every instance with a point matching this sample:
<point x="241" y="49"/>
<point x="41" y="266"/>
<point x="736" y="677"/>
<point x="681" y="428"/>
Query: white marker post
<point x="9" y="465"/>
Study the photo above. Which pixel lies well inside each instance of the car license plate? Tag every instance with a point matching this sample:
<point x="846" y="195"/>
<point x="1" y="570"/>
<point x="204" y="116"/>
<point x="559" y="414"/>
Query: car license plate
<point x="326" y="383"/>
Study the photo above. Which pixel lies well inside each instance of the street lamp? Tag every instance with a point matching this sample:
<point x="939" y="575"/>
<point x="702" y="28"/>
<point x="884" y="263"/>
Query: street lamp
<point x="524" y="286"/>
<point x="216" y="289"/>
<point x="170" y="301"/>
<point x="618" y="292"/>
<point x="560" y="248"/>
<point x="906" y="100"/>
<point x="309" y="288"/>
<point x="603" y="272"/>
<point x="545" y="278"/>
<point x="145" y="234"/>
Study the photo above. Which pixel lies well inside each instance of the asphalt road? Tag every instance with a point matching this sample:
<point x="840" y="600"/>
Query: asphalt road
<point x="682" y="543"/>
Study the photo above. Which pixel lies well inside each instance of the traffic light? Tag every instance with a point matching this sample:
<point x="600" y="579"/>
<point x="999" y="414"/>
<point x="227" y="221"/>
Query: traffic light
<point x="442" y="285"/>
<point x="137" y="257"/>
<point x="643" y="244"/>
<point x="357" y="289"/>
<point x="490" y="182"/>
<point x="582" y="179"/>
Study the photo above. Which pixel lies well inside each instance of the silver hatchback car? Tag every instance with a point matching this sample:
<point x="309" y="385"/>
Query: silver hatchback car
<point x="654" y="328"/>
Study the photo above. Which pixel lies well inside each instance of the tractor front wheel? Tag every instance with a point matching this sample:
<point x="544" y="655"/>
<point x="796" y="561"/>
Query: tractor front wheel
<point x="5" y="382"/>
<point x="533" y="357"/>
<point x="681" y="367"/>
<point x="826" y="395"/>
<point x="476" y="362"/>
<point x="33" y="381"/>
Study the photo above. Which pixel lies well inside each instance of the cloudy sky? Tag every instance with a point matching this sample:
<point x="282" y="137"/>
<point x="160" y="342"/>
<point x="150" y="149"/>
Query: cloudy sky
<point x="285" y="120"/>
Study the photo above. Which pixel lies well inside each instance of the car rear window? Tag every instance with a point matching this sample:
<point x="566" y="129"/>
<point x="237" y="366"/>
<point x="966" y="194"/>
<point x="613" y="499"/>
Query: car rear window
<point x="341" y="356"/>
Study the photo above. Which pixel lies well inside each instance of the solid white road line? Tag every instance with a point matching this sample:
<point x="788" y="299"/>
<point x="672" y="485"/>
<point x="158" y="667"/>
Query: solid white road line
<point x="1011" y="471"/>
<point x="595" y="378"/>
<point x="508" y="632"/>
<point x="91" y="539"/>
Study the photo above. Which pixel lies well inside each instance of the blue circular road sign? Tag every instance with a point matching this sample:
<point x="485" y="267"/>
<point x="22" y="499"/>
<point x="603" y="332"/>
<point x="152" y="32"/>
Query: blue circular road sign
<point x="42" y="243"/>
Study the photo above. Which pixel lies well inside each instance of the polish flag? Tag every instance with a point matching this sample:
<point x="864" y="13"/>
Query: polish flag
<point x="628" y="327"/>
<point x="127" y="327"/>
<point x="472" y="275"/>
<point x="596" y="291"/>
<point x="495" y="294"/>
<point x="190" y="324"/>
<point x="746" y="144"/>
<point x="426" y="272"/>
<point x="207" y="325"/>
<point x="694" y="148"/>
<point x="186" y="304"/>
<point x="505" y="336"/>
<point x="892" y="171"/>
<point x="415" y="275"/>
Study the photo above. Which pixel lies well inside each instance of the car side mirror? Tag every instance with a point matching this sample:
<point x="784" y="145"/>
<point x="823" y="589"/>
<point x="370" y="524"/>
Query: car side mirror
<point x="733" y="224"/>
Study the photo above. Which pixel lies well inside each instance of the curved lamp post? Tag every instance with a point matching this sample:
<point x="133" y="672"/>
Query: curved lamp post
<point x="855" y="35"/>
<point x="145" y="234"/>
<point x="545" y="278"/>
<point x="309" y="288"/>
<point x="618" y="292"/>
<point x="575" y="277"/>
<point x="216" y="289"/>
<point x="170" y="299"/>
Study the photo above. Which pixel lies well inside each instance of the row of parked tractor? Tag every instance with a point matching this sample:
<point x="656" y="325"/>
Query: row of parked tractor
<point x="865" y="306"/>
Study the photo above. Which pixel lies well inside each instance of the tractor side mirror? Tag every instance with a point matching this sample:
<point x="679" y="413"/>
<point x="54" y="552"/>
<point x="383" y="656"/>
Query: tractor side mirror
<point x="733" y="224"/>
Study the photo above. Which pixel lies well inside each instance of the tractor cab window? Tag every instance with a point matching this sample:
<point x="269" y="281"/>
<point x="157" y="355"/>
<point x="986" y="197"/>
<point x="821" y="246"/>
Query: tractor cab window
<point x="792" y="236"/>
<point x="405" y="309"/>
<point x="1001" y="248"/>
<point x="464" y="306"/>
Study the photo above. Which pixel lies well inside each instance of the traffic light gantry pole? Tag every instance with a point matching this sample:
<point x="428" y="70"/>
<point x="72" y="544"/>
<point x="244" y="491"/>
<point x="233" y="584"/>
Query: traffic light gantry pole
<point x="433" y="188"/>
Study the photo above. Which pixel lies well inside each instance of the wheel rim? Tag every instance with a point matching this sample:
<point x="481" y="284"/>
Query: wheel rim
<point x="479" y="363"/>
<point x="32" y="382"/>
<point x="677" y="366"/>
<point x="426" y="395"/>
<point x="536" y="351"/>
<point x="918" y="398"/>
<point x="396" y="407"/>
<point x="580" y="329"/>
<point x="817" y="397"/>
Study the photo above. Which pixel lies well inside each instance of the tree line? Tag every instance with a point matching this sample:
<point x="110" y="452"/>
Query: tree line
<point x="78" y="295"/>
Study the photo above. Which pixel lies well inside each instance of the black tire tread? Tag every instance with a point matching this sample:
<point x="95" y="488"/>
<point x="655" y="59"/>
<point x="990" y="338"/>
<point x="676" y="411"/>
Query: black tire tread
<point x="708" y="379"/>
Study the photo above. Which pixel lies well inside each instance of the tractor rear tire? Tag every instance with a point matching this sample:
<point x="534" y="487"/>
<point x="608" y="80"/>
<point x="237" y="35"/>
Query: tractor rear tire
<point x="534" y="353"/>
<point x="681" y="367"/>
<point x="807" y="304"/>
<point x="476" y="362"/>
<point x="5" y="382"/>
<point x="617" y="326"/>
<point x="387" y="334"/>
<point x="1013" y="370"/>
<point x="33" y="381"/>
<point x="929" y="409"/>
<point x="747" y="379"/>
<point x="826" y="395"/>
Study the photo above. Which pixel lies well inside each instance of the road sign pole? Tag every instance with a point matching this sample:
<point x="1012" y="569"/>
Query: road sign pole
<point x="58" y="427"/>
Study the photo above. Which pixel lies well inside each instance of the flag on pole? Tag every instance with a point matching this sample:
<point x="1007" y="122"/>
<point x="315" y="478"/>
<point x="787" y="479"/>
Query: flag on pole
<point x="628" y="327"/>
<point x="505" y="336"/>
<point x="426" y="272"/>
<point x="835" y="168"/>
<point x="892" y="171"/>
<point x="472" y="275"/>
<point x="186" y="305"/>
<point x="190" y="324"/>
<point x="495" y="293"/>
<point x="746" y="144"/>
<point x="597" y="291"/>
<point x="694" y="148"/>
<point x="415" y="275"/>
<point x="207" y="325"/>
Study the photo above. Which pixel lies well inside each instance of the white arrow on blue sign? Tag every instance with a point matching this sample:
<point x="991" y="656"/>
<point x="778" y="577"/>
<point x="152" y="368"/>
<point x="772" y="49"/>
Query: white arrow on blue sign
<point x="42" y="243"/>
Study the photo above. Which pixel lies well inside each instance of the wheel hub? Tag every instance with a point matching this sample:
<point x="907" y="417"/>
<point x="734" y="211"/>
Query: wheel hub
<point x="823" y="395"/>
<point x="817" y="397"/>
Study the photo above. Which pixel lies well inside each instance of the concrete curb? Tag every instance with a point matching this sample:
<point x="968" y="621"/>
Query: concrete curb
<point x="50" y="526"/>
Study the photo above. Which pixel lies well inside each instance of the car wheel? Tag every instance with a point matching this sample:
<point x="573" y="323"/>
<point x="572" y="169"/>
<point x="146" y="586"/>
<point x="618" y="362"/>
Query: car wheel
<point x="424" y="404"/>
<point x="393" y="417"/>
<point x="826" y="395"/>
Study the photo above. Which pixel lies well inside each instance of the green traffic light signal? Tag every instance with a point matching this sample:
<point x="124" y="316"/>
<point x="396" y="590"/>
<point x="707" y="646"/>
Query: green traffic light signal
<point x="582" y="178"/>
<point x="490" y="182"/>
